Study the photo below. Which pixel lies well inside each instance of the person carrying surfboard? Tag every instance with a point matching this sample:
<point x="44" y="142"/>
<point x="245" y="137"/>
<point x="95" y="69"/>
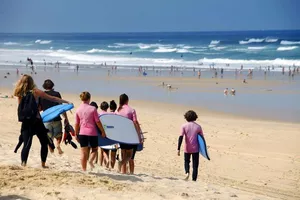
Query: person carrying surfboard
<point x="86" y="131"/>
<point x="190" y="131"/>
<point x="54" y="126"/>
<point x="128" y="151"/>
<point x="28" y="96"/>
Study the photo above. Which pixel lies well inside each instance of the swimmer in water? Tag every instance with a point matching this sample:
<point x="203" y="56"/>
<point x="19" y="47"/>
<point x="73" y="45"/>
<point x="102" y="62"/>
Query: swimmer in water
<point x="226" y="92"/>
<point x="232" y="91"/>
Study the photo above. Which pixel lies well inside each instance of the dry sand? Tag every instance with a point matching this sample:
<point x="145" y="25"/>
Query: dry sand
<point x="250" y="159"/>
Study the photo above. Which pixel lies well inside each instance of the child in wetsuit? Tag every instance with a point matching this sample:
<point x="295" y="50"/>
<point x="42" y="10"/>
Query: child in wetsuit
<point x="190" y="131"/>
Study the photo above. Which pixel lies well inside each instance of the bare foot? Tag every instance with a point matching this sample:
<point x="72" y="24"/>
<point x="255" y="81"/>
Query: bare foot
<point x="60" y="152"/>
<point x="91" y="165"/>
<point x="23" y="164"/>
<point x="44" y="165"/>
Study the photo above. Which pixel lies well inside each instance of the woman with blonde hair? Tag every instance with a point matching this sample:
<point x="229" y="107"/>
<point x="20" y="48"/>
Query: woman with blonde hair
<point x="28" y="96"/>
<point x="86" y="131"/>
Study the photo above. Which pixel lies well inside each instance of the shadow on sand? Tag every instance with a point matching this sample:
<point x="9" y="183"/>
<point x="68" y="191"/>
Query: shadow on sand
<point x="13" y="197"/>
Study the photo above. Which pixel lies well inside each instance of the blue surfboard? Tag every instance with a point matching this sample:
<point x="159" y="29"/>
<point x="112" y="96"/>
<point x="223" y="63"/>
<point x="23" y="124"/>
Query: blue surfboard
<point x="55" y="111"/>
<point x="202" y="147"/>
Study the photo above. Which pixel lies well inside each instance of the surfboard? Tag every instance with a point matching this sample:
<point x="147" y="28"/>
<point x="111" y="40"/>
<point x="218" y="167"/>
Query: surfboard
<point x="55" y="111"/>
<point x="202" y="147"/>
<point x="119" y="129"/>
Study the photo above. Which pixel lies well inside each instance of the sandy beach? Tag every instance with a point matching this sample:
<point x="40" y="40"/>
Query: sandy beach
<point x="250" y="159"/>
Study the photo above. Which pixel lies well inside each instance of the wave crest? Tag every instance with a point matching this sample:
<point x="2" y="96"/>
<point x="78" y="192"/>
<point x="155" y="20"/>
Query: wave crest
<point x="214" y="42"/>
<point x="256" y="48"/>
<point x="104" y="51"/>
<point x="286" y="42"/>
<point x="164" y="50"/>
<point x="43" y="41"/>
<point x="286" y="48"/>
<point x="252" y="40"/>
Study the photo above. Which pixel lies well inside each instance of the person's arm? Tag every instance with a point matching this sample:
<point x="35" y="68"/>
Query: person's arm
<point x="98" y="123"/>
<point x="200" y="131"/>
<point x="137" y="126"/>
<point x="40" y="93"/>
<point x="180" y="139"/>
<point x="77" y="126"/>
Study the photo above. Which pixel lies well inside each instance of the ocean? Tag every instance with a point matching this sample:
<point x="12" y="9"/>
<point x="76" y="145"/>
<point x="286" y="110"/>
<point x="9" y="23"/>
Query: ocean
<point x="182" y="49"/>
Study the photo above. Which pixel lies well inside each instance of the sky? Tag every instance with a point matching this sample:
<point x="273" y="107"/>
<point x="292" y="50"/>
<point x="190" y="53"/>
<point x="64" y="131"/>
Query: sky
<point x="48" y="16"/>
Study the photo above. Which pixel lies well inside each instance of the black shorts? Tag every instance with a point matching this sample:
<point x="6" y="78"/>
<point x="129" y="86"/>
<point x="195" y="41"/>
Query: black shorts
<point x="134" y="151"/>
<point x="126" y="146"/>
<point x="88" y="141"/>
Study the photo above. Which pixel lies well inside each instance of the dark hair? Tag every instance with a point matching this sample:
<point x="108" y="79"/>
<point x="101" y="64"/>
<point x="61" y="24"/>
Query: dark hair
<point x="123" y="100"/>
<point x="190" y="116"/>
<point x="94" y="104"/>
<point x="48" y="84"/>
<point x="112" y="105"/>
<point x="104" y="106"/>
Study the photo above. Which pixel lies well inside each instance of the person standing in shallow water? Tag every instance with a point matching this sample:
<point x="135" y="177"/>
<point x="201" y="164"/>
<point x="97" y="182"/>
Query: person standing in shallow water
<point x="36" y="127"/>
<point x="190" y="132"/>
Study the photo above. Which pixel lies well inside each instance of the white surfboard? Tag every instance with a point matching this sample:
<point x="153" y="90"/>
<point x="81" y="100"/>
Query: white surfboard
<point x="111" y="147"/>
<point x="119" y="128"/>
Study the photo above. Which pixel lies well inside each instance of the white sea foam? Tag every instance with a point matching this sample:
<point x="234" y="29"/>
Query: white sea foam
<point x="84" y="58"/>
<point x="10" y="43"/>
<point x="252" y="40"/>
<point x="214" y="42"/>
<point x="218" y="48"/>
<point x="271" y="40"/>
<point x="104" y="51"/>
<point x="43" y="41"/>
<point x="183" y="51"/>
<point x="51" y="47"/>
<point x="256" y="48"/>
<point x="164" y="50"/>
<point x="286" y="48"/>
<point x="286" y="42"/>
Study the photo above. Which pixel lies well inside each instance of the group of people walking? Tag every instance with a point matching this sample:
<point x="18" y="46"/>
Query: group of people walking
<point x="32" y="100"/>
<point x="86" y="124"/>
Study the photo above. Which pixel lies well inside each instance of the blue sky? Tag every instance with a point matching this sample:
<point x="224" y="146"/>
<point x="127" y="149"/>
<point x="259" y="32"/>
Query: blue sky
<point x="147" y="15"/>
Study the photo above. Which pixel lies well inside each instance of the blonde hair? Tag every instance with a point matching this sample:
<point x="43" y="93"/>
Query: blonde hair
<point x="24" y="85"/>
<point x="85" y="96"/>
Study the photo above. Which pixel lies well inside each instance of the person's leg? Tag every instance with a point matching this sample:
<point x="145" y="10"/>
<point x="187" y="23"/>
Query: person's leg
<point x="57" y="132"/>
<point x="93" y="156"/>
<point x="195" y="165"/>
<point x="41" y="133"/>
<point x="26" y="132"/>
<point x="187" y="160"/>
<point x="131" y="161"/>
<point x="128" y="155"/>
<point x="83" y="140"/>
<point x="113" y="158"/>
<point x="101" y="157"/>
<point x="19" y="143"/>
<point x="93" y="141"/>
<point x="106" y="157"/>
<point x="50" y="134"/>
<point x="84" y="157"/>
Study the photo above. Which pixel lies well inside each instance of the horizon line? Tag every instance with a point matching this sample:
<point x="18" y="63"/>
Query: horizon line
<point x="152" y="31"/>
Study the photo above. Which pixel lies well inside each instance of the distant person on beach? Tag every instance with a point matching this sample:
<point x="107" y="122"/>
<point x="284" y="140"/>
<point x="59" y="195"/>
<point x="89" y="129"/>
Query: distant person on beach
<point x="54" y="126"/>
<point x="244" y="81"/>
<point x="128" y="151"/>
<point x="226" y="92"/>
<point x="199" y="74"/>
<point x="85" y="130"/>
<point x="190" y="132"/>
<point x="77" y="68"/>
<point x="232" y="91"/>
<point x="17" y="71"/>
<point x="32" y="123"/>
